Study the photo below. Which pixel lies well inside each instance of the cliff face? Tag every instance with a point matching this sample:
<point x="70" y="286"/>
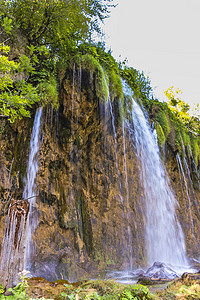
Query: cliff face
<point x="90" y="209"/>
<point x="185" y="183"/>
<point x="83" y="198"/>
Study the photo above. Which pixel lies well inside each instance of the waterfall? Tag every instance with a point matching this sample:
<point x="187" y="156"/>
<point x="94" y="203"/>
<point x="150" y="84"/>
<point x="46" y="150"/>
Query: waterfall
<point x="181" y="172"/>
<point x="115" y="143"/>
<point x="130" y="242"/>
<point x="72" y="104"/>
<point x="163" y="234"/>
<point x="14" y="244"/>
<point x="126" y="236"/>
<point x="20" y="219"/>
<point x="29" y="189"/>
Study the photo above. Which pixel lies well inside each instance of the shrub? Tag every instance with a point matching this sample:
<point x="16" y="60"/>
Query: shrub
<point x="48" y="92"/>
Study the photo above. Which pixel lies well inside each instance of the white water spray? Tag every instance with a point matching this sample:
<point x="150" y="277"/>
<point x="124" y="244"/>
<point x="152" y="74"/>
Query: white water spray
<point x="29" y="190"/>
<point x="130" y="242"/>
<point x="115" y="143"/>
<point x="181" y="172"/>
<point x="164" y="237"/>
<point x="126" y="209"/>
<point x="20" y="221"/>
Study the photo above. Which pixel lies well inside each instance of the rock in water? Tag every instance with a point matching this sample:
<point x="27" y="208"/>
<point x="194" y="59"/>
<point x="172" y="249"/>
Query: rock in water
<point x="160" y="271"/>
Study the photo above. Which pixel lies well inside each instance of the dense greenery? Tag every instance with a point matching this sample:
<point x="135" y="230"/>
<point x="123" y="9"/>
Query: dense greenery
<point x="57" y="33"/>
<point x="51" y="30"/>
<point x="101" y="290"/>
<point x="60" y="25"/>
<point x="171" y="119"/>
<point x="137" y="81"/>
<point x="181" y="135"/>
<point x="16" y="93"/>
<point x="178" y="106"/>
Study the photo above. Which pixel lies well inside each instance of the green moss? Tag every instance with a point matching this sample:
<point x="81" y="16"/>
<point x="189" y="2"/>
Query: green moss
<point x="106" y="79"/>
<point x="101" y="84"/>
<point x="115" y="85"/>
<point x="48" y="92"/>
<point x="139" y="83"/>
<point x="110" y="290"/>
<point x="88" y="62"/>
<point x="180" y="289"/>
<point x="122" y="109"/>
<point x="160" y="134"/>
<point x="195" y="149"/>
<point x="186" y="139"/>
<point x="179" y="139"/>
<point x="163" y="121"/>
<point x="187" y="142"/>
<point x="175" y="132"/>
<point x="102" y="78"/>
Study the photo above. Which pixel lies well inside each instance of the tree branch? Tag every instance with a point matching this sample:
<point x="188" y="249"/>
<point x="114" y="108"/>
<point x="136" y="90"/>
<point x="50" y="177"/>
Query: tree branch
<point x="22" y="200"/>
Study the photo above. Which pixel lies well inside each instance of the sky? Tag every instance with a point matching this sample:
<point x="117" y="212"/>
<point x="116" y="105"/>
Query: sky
<point x="161" y="38"/>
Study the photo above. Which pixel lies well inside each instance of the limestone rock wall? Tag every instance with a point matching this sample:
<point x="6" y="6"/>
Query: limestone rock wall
<point x="85" y="204"/>
<point x="186" y="187"/>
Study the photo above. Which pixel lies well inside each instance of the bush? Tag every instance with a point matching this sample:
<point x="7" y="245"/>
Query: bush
<point x="48" y="92"/>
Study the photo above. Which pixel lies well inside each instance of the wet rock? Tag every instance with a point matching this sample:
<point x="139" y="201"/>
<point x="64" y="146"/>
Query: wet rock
<point x="145" y="280"/>
<point x="194" y="263"/>
<point x="160" y="271"/>
<point x="188" y="278"/>
<point x="81" y="225"/>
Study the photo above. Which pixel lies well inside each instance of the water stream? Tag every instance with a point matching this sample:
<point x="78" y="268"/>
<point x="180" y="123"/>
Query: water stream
<point x="130" y="242"/>
<point x="20" y="219"/>
<point x="115" y="144"/>
<point x="164" y="237"/>
<point x="127" y="239"/>
<point x="30" y="188"/>
<point x="14" y="245"/>
<point x="182" y="173"/>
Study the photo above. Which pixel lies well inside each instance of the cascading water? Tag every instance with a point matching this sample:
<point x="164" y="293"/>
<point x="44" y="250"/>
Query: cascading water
<point x="126" y="208"/>
<point x="130" y="243"/>
<point x="115" y="144"/>
<point x="20" y="220"/>
<point x="126" y="275"/>
<point x="14" y="244"/>
<point x="181" y="172"/>
<point x="195" y="169"/>
<point x="29" y="190"/>
<point x="164" y="236"/>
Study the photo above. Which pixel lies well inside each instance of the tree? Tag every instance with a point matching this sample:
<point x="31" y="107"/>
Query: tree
<point x="16" y="95"/>
<point x="58" y="24"/>
<point x="181" y="110"/>
<point x="53" y="29"/>
<point x="137" y="81"/>
<point x="178" y="106"/>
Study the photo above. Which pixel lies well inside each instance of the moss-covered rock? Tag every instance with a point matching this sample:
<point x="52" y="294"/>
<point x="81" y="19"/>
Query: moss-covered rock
<point x="88" y="194"/>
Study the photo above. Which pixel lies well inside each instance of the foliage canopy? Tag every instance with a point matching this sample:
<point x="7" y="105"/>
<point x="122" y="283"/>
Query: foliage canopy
<point x="52" y="29"/>
<point x="58" y="24"/>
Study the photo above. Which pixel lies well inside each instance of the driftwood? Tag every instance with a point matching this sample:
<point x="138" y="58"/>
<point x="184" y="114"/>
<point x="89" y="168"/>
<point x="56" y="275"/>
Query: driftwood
<point x="22" y="200"/>
<point x="10" y="202"/>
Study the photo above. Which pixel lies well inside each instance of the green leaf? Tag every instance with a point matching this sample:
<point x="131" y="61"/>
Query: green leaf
<point x="1" y="289"/>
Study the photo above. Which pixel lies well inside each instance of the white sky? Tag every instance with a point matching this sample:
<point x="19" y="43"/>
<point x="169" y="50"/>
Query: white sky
<point x="161" y="38"/>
